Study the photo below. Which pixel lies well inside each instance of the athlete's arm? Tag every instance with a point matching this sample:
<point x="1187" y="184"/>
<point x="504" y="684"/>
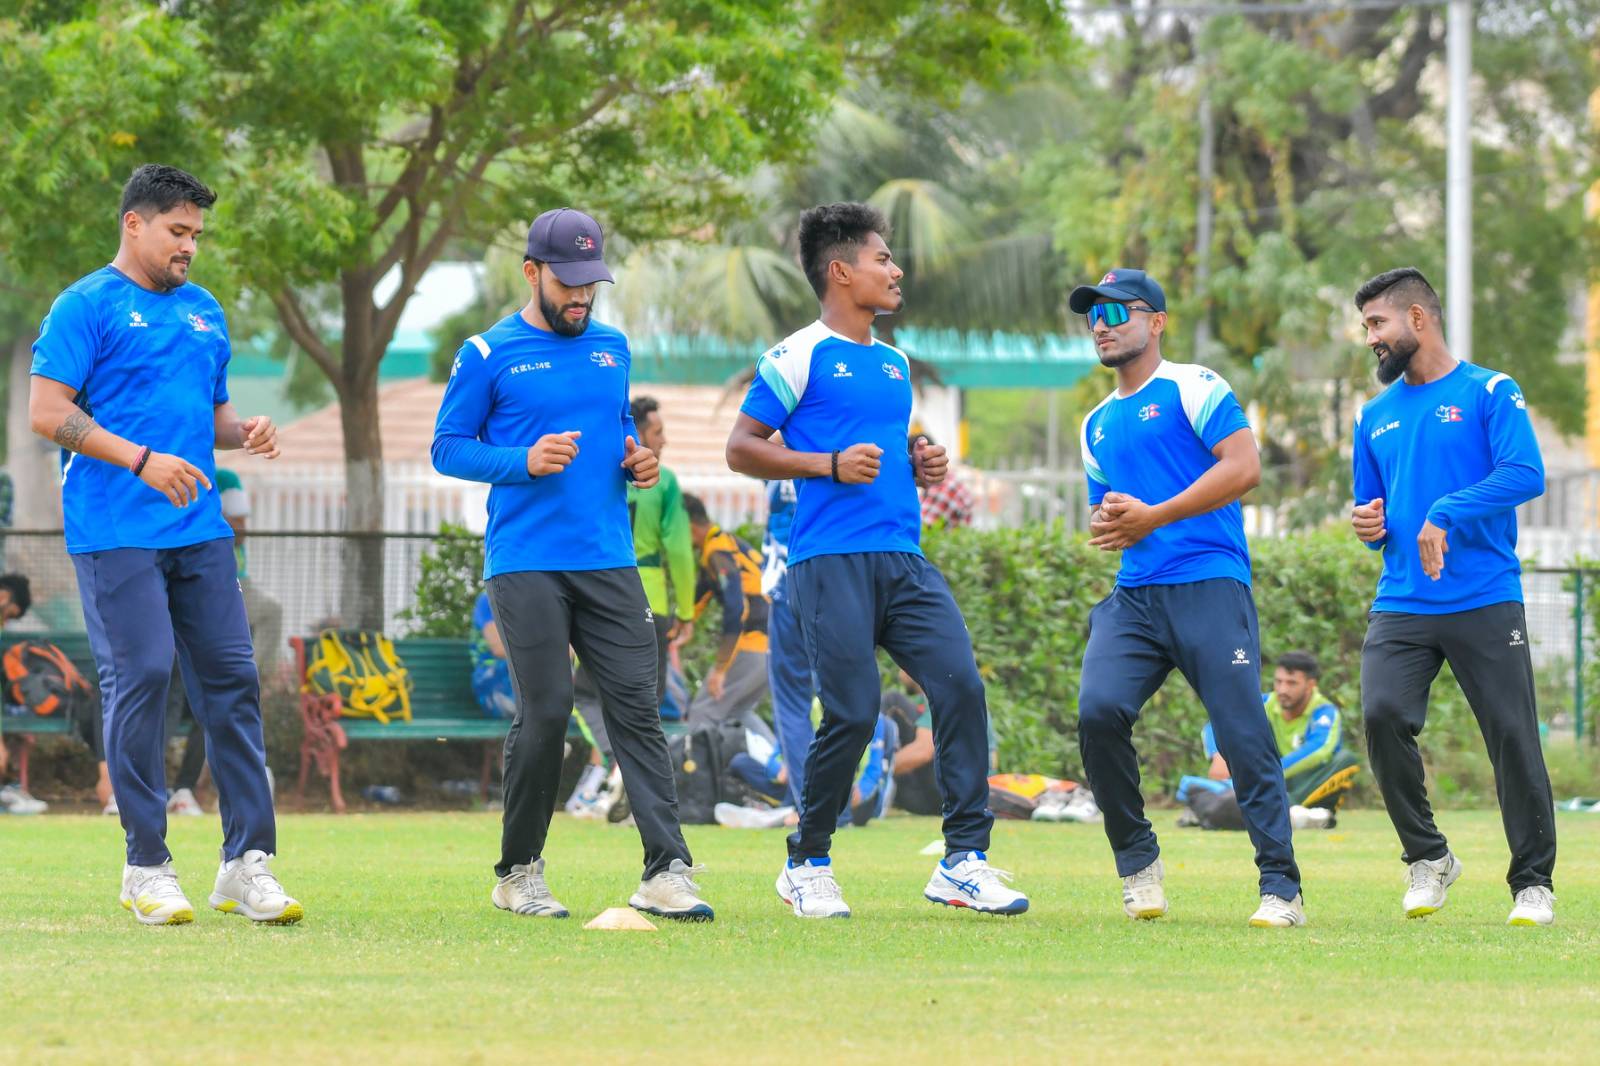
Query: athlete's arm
<point x="54" y="414"/>
<point x="1125" y="520"/>
<point x="1518" y="474"/>
<point x="916" y="754"/>
<point x="751" y="452"/>
<point x="491" y="637"/>
<point x="256" y="435"/>
<point x="1366" y="517"/>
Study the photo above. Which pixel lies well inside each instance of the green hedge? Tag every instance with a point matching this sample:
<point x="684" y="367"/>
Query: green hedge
<point x="1026" y="594"/>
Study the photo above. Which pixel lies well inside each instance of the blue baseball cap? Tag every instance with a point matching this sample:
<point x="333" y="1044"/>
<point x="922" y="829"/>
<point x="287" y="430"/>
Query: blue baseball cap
<point x="571" y="242"/>
<point x="1123" y="285"/>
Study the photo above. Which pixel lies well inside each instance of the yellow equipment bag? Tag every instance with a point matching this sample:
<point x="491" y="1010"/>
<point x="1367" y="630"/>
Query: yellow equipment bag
<point x="361" y="668"/>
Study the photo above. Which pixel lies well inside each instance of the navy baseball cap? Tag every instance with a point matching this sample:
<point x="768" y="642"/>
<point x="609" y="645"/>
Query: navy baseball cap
<point x="1122" y="285"/>
<point x="571" y="242"/>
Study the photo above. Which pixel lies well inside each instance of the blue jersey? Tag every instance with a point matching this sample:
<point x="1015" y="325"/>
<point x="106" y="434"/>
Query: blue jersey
<point x="1458" y="452"/>
<point x="826" y="393"/>
<point x="511" y="385"/>
<point x="1153" y="445"/>
<point x="151" y="367"/>
<point x="781" y="498"/>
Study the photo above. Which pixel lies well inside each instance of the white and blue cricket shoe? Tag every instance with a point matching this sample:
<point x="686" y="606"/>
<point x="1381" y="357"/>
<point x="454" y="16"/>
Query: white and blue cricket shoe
<point x="811" y="890"/>
<point x="967" y="880"/>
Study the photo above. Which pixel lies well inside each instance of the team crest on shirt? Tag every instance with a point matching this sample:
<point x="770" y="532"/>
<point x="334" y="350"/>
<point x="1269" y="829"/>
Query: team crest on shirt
<point x="893" y="372"/>
<point x="1149" y="411"/>
<point x="1448" y="412"/>
<point x="136" y="321"/>
<point x="199" y="324"/>
<point x="603" y="359"/>
<point x="842" y="370"/>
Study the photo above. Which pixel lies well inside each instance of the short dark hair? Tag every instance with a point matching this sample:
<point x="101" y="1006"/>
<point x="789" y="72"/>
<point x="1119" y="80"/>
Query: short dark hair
<point x="835" y="231"/>
<point x="1403" y="287"/>
<point x="1303" y="661"/>
<point x="155" y="189"/>
<point x="21" y="594"/>
<point x="642" y="408"/>
<point x="697" y="509"/>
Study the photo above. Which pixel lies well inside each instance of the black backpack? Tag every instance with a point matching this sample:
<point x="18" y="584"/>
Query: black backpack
<point x="700" y="769"/>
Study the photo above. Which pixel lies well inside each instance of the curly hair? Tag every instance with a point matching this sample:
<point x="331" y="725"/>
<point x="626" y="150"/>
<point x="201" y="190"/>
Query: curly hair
<point x="836" y="231"/>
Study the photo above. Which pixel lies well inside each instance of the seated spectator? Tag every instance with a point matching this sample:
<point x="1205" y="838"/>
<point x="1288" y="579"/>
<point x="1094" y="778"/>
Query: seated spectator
<point x="491" y="675"/>
<point x="262" y="611"/>
<point x="915" y="789"/>
<point x="730" y="574"/>
<point x="1310" y="745"/>
<point x="868" y="796"/>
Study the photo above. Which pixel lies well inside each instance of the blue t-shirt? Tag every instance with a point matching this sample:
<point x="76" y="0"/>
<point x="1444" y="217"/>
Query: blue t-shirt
<point x="1153" y="445"/>
<point x="1459" y="452"/>
<point x="825" y="393"/>
<point x="511" y="385"/>
<point x="151" y="367"/>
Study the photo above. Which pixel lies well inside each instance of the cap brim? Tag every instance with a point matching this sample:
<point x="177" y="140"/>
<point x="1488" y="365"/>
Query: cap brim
<point x="582" y="272"/>
<point x="1084" y="296"/>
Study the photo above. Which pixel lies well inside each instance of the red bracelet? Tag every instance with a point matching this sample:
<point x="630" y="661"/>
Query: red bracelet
<point x="144" y="457"/>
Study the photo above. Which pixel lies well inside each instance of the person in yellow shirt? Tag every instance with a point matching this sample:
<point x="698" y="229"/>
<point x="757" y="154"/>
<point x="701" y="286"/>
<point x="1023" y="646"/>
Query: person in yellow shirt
<point x="730" y="575"/>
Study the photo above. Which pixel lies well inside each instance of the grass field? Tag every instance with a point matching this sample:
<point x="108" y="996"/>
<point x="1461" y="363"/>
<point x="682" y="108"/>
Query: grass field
<point x="401" y="958"/>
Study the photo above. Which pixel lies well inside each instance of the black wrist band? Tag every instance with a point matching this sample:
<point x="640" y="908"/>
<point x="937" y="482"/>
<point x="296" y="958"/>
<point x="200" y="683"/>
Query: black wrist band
<point x="144" y="457"/>
<point x="836" y="466"/>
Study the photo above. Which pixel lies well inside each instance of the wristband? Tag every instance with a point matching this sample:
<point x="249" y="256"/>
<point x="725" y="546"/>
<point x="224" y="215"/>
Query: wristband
<point x="836" y="466"/>
<point x="138" y="464"/>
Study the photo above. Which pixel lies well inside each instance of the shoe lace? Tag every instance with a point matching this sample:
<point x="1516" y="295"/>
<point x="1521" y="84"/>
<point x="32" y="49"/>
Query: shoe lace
<point x="259" y="877"/>
<point x="1144" y="878"/>
<point x="985" y="874"/>
<point x="822" y="885"/>
<point x="162" y="882"/>
<point x="683" y="879"/>
<point x="1536" y="896"/>
<point x="1422" y="876"/>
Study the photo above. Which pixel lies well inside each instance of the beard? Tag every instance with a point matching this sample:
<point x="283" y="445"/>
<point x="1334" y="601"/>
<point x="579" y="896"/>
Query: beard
<point x="1393" y="360"/>
<point x="169" y="278"/>
<point x="1115" y="359"/>
<point x="558" y="320"/>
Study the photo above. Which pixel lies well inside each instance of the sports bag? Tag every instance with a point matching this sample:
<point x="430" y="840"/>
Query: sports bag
<point x="361" y="668"/>
<point x="39" y="676"/>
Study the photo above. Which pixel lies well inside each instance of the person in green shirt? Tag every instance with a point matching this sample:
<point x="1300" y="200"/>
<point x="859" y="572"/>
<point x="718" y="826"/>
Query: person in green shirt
<point x="665" y="552"/>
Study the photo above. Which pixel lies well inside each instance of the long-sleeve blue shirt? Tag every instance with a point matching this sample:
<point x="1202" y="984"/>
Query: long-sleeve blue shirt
<point x="511" y="385"/>
<point x="1459" y="452"/>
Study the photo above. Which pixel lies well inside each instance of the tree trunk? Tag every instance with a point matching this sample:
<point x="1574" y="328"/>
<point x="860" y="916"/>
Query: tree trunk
<point x="362" y="592"/>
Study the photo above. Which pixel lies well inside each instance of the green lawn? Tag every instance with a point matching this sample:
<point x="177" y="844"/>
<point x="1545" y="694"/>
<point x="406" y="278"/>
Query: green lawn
<point x="402" y="959"/>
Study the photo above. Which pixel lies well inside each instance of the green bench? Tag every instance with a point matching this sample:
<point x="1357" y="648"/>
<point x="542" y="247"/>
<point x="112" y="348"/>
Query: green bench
<point x="443" y="707"/>
<point x="30" y="726"/>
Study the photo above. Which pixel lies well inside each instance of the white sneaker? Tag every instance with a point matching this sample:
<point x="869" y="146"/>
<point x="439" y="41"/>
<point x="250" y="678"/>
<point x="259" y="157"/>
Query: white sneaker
<point x="734" y="816"/>
<point x="1310" y="817"/>
<point x="523" y="891"/>
<point x="1142" y="895"/>
<point x="153" y="895"/>
<point x="184" y="803"/>
<point x="584" y="799"/>
<point x="111" y="808"/>
<point x="974" y="884"/>
<point x="246" y="886"/>
<point x="672" y="893"/>
<point x="1536" y="905"/>
<point x="16" y="801"/>
<point x="1277" y="912"/>
<point x="811" y="890"/>
<point x="1430" y="881"/>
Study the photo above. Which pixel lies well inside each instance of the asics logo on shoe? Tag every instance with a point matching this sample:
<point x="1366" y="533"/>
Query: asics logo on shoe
<point x="966" y="888"/>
